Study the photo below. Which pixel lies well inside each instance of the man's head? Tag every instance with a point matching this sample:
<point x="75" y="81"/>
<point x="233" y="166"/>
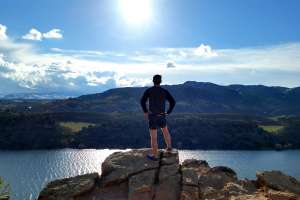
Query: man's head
<point x="157" y="79"/>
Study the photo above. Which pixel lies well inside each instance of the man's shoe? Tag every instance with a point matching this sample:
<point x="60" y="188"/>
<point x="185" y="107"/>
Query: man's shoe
<point x="168" y="149"/>
<point x="152" y="157"/>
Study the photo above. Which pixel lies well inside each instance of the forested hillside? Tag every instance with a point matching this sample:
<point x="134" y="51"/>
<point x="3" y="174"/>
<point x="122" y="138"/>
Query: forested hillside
<point x="129" y="130"/>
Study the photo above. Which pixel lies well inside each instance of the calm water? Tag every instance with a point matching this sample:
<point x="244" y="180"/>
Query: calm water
<point x="28" y="171"/>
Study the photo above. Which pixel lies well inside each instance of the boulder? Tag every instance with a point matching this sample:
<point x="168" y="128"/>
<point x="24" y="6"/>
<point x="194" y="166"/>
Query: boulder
<point x="249" y="185"/>
<point x="225" y="170"/>
<point x="231" y="190"/>
<point x="169" y="182"/>
<point x="189" y="193"/>
<point x="256" y="196"/>
<point x="217" y="177"/>
<point x="69" y="188"/>
<point x="167" y="171"/>
<point x="191" y="170"/>
<point x="193" y="163"/>
<point x="210" y="193"/>
<point x="212" y="184"/>
<point x="234" y="189"/>
<point x="189" y="176"/>
<point x="120" y="165"/>
<point x="278" y="181"/>
<point x="277" y="195"/>
<point x="141" y="185"/>
<point x="169" y="158"/>
<point x="130" y="175"/>
<point x="113" y="192"/>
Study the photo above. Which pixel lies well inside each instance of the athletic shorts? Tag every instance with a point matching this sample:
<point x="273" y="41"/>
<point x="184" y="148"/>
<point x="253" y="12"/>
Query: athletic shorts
<point x="157" y="121"/>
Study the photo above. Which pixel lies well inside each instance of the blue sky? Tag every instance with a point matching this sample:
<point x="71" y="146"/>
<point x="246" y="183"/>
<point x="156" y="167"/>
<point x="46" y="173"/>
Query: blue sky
<point x="86" y="46"/>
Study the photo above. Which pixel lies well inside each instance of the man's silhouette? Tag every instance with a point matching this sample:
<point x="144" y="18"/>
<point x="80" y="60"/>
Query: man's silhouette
<point x="156" y="115"/>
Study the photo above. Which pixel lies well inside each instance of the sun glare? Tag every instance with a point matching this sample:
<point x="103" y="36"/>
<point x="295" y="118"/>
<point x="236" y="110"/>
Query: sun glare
<point x="136" y="12"/>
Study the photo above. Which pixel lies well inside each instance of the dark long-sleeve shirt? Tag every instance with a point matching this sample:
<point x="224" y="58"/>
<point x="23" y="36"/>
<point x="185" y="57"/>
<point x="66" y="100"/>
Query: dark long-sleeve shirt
<point x="157" y="100"/>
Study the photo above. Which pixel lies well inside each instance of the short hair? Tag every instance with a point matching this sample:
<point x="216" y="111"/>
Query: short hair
<point x="157" y="79"/>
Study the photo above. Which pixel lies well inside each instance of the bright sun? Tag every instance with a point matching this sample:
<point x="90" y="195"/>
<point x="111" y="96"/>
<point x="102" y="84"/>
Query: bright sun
<point x="136" y="12"/>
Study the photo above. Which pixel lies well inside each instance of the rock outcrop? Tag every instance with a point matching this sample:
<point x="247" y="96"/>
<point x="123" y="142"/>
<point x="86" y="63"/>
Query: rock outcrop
<point x="130" y="175"/>
<point x="278" y="181"/>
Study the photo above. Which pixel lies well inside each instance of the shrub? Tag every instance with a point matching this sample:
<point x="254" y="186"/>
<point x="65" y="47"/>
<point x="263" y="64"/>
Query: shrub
<point x="4" y="189"/>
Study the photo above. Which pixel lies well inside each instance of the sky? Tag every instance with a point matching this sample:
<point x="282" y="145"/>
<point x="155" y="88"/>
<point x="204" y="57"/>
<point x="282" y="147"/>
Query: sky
<point x="76" y="47"/>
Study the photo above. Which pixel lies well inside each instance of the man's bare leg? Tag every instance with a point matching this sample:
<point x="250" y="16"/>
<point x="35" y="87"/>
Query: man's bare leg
<point x="167" y="137"/>
<point x="153" y="134"/>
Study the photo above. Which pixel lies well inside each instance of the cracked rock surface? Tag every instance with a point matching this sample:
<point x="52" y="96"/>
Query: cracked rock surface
<point x="130" y="175"/>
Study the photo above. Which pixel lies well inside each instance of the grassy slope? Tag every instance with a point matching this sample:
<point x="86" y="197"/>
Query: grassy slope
<point x="272" y="128"/>
<point x="75" y="126"/>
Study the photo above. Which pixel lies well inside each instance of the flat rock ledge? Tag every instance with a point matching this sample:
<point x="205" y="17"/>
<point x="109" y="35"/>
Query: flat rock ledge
<point x="130" y="175"/>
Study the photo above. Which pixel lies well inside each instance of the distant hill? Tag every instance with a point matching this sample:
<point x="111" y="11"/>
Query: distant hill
<point x="32" y="96"/>
<point x="191" y="97"/>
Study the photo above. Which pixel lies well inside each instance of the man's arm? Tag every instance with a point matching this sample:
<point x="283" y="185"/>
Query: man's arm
<point x="171" y="101"/>
<point x="144" y="100"/>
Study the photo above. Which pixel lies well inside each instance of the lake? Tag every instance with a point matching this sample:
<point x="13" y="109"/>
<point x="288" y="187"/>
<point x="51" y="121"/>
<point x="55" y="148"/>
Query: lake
<point x="28" y="171"/>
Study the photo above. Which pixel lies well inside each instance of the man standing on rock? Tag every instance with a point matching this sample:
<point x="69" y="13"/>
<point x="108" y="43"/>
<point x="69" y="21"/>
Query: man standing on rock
<point x="156" y="115"/>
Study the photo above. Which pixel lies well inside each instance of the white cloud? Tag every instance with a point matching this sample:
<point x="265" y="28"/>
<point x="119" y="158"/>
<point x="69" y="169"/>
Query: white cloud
<point x="130" y="81"/>
<point x="83" y="53"/>
<point x="56" y="50"/>
<point x="2" y="62"/>
<point x="24" y="68"/>
<point x="53" y="34"/>
<point x="36" y="35"/>
<point x="33" y="34"/>
<point x="3" y="35"/>
<point x="28" y="70"/>
<point x="205" y="51"/>
<point x="182" y="53"/>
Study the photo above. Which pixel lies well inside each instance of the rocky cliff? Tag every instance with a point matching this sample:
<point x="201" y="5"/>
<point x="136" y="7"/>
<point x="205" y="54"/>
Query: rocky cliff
<point x="130" y="175"/>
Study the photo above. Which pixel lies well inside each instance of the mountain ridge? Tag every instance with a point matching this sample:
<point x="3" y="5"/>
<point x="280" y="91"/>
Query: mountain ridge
<point x="191" y="96"/>
<point x="194" y="96"/>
